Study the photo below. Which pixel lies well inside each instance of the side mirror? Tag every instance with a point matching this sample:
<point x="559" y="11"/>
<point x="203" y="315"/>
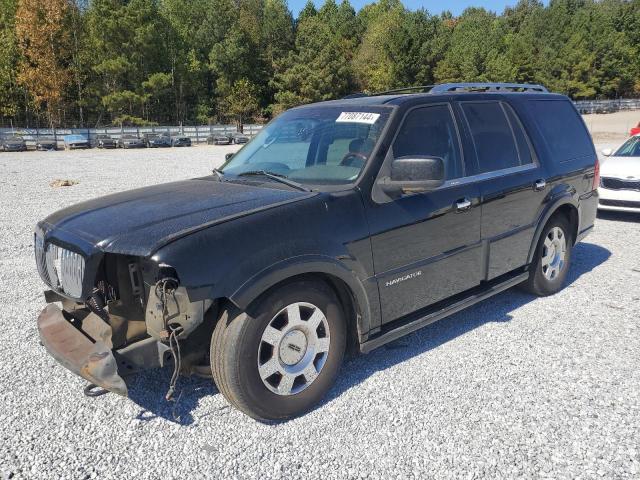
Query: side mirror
<point x="607" y="152"/>
<point x="415" y="174"/>
<point x="228" y="156"/>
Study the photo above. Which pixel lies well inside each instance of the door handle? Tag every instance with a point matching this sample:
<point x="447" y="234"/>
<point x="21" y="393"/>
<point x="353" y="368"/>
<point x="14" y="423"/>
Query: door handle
<point x="539" y="185"/>
<point x="463" y="205"/>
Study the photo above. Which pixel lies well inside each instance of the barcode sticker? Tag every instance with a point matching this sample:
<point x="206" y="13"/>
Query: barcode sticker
<point x="358" y="117"/>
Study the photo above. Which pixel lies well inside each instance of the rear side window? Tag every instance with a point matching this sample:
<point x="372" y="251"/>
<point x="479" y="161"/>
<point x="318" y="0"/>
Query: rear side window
<point x="431" y="131"/>
<point x="493" y="136"/>
<point x="562" y="128"/>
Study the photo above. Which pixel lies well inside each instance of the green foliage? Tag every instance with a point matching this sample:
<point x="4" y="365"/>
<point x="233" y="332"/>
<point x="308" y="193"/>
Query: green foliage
<point x="10" y="92"/>
<point x="241" y="103"/>
<point x="132" y="121"/>
<point x="170" y="61"/>
<point x="318" y="68"/>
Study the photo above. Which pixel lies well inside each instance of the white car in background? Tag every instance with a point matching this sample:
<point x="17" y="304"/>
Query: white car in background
<point x="620" y="177"/>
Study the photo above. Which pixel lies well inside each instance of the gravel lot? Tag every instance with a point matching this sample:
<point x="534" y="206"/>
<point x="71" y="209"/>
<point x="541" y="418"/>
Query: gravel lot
<point x="515" y="386"/>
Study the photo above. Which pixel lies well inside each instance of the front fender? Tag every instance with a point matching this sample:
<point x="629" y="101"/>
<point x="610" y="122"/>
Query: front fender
<point x="364" y="292"/>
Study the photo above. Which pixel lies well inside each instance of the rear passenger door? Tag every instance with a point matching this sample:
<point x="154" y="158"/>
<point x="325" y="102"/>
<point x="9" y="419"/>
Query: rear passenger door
<point x="512" y="187"/>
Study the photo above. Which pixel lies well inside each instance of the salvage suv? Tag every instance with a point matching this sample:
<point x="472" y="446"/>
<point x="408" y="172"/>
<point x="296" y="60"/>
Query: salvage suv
<point x="342" y="224"/>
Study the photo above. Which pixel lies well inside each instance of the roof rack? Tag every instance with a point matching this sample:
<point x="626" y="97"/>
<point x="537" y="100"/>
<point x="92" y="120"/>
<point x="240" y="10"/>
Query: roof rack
<point x="458" y="87"/>
<point x="488" y="87"/>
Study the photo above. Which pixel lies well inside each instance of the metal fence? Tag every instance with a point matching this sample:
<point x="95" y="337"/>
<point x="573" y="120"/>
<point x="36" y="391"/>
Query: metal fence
<point x="197" y="134"/>
<point x="607" y="106"/>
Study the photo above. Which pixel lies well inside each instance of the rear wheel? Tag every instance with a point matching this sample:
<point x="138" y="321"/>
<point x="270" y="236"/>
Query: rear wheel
<point x="280" y="360"/>
<point x="552" y="259"/>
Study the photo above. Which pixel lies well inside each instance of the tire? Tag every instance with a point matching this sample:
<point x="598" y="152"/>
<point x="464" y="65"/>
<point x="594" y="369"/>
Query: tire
<point x="238" y="347"/>
<point x="550" y="266"/>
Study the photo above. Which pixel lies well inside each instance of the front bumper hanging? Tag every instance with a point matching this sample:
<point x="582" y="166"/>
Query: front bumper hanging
<point x="86" y="352"/>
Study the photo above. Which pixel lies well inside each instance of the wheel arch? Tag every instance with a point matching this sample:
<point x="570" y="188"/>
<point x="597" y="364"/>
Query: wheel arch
<point x="350" y="290"/>
<point x="566" y="206"/>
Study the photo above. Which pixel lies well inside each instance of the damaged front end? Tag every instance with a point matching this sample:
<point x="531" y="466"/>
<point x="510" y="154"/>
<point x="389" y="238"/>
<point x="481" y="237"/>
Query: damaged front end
<point x="136" y="317"/>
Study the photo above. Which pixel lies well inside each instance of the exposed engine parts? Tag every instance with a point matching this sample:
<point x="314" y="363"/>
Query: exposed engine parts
<point x="96" y="304"/>
<point x="169" y="305"/>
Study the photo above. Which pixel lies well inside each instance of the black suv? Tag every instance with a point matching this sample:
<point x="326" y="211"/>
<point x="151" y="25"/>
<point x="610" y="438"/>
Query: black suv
<point x="347" y="223"/>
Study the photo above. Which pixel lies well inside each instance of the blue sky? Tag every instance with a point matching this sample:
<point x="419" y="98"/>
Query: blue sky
<point x="455" y="6"/>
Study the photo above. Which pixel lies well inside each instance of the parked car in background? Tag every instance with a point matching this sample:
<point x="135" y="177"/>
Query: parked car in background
<point x="105" y="141"/>
<point x="635" y="130"/>
<point x="72" y="142"/>
<point x="219" y="139"/>
<point x="620" y="177"/>
<point x="240" y="138"/>
<point x="13" y="143"/>
<point x="46" y="143"/>
<point x="345" y="223"/>
<point x="131" y="141"/>
<point x="181" y="142"/>
<point x="154" y="140"/>
<point x="607" y="108"/>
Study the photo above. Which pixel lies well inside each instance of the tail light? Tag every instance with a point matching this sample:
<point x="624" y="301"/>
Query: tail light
<point x="596" y="174"/>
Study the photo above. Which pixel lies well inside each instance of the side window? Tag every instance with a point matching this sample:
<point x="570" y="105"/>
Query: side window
<point x="492" y="136"/>
<point x="431" y="131"/>
<point x="562" y="128"/>
<point x="524" y="148"/>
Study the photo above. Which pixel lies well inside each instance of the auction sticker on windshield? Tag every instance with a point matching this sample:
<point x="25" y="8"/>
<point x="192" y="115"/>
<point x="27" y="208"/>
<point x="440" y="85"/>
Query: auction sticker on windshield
<point x="358" y="117"/>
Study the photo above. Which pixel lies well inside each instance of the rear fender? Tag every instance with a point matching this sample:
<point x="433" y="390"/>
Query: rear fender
<point x="557" y="199"/>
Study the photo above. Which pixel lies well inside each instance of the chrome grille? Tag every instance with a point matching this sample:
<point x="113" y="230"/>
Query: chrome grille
<point x="619" y="183"/>
<point x="61" y="269"/>
<point x="41" y="260"/>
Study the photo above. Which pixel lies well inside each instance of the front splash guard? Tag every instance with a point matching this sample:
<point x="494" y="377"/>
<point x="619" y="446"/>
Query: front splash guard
<point x="90" y="358"/>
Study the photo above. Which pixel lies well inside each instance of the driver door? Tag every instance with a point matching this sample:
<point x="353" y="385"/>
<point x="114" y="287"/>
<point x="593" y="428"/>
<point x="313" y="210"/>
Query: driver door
<point x="426" y="246"/>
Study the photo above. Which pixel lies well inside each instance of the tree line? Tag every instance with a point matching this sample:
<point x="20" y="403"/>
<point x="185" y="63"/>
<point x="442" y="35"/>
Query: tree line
<point x="144" y="62"/>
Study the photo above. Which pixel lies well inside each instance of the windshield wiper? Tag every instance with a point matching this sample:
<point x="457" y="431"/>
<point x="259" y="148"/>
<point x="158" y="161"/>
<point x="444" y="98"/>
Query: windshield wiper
<point x="218" y="173"/>
<point x="275" y="176"/>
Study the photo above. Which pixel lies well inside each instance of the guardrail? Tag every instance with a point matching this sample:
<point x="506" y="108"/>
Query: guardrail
<point x="197" y="134"/>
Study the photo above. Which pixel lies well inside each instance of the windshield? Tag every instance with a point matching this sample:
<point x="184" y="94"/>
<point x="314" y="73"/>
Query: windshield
<point x="315" y="145"/>
<point x="630" y="148"/>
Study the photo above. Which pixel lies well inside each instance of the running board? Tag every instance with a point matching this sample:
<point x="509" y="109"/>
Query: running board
<point x="417" y="324"/>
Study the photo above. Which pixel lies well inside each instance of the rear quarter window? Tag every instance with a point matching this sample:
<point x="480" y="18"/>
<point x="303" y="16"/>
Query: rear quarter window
<point x="563" y="130"/>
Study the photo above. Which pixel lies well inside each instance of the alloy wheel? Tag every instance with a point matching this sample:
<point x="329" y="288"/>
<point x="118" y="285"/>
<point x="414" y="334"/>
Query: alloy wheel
<point x="294" y="348"/>
<point x="554" y="252"/>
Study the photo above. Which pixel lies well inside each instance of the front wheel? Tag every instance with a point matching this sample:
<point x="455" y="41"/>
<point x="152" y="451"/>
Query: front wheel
<point x="279" y="360"/>
<point x="552" y="259"/>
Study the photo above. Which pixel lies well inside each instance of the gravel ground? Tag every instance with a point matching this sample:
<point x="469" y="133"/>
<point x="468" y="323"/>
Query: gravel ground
<point x="611" y="127"/>
<point x="513" y="387"/>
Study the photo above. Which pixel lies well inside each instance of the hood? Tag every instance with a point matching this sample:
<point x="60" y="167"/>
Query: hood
<point x="621" y="167"/>
<point x="139" y="222"/>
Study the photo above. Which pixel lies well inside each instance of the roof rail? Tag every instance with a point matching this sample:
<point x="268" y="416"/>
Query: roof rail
<point x="420" y="88"/>
<point x="486" y="87"/>
<point x="458" y="87"/>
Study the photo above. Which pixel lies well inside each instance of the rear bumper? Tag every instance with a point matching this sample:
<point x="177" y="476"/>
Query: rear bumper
<point x="82" y="344"/>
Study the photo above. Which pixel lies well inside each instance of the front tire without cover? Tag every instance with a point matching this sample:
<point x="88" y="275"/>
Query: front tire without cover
<point x="552" y="258"/>
<point x="280" y="358"/>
